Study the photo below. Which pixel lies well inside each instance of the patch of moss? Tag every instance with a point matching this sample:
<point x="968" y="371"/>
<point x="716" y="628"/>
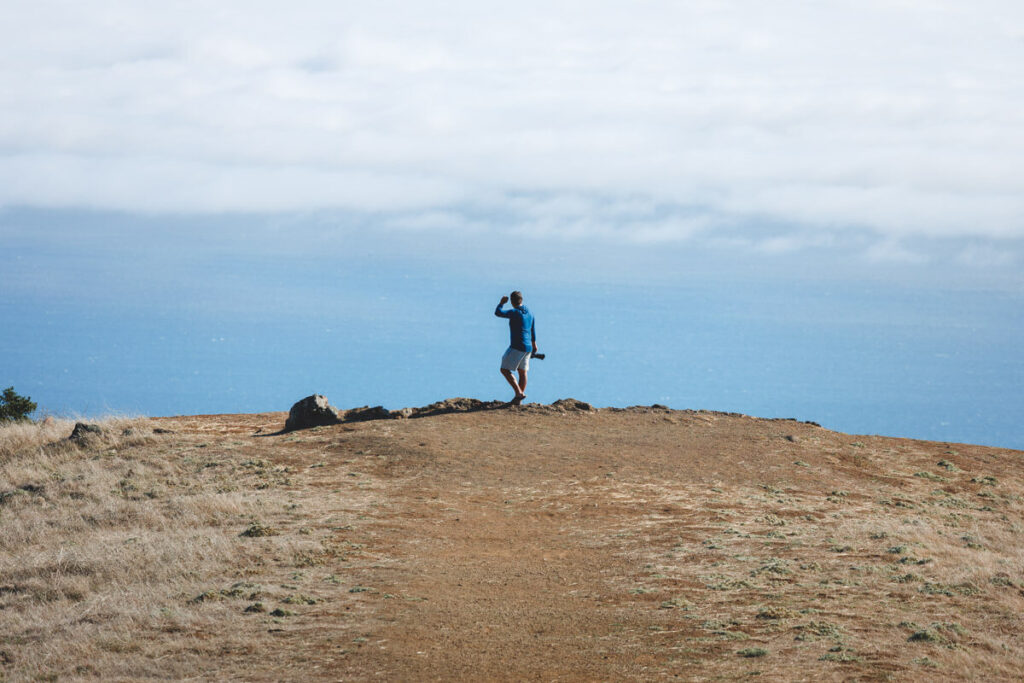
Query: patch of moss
<point x="731" y="635"/>
<point x="950" y="590"/>
<point x="717" y="582"/>
<point x="771" y="520"/>
<point x="207" y="596"/>
<point x="256" y="530"/>
<point x="773" y="566"/>
<point x="813" y="630"/>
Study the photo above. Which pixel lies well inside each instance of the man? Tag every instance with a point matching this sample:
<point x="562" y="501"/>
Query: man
<point x="523" y="342"/>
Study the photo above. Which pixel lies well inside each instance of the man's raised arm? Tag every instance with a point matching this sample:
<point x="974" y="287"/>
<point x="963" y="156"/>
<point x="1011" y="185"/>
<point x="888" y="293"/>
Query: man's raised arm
<point x="500" y="313"/>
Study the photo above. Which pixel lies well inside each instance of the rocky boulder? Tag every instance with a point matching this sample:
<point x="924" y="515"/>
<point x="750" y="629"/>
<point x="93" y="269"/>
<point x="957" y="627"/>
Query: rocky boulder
<point x="367" y="413"/>
<point x="571" y="404"/>
<point x="83" y="431"/>
<point x="312" y="411"/>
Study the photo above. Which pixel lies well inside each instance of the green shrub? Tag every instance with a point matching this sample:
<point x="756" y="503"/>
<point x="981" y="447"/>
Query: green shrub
<point x="14" y="407"/>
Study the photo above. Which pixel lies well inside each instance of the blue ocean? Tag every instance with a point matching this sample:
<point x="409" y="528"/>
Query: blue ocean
<point x="116" y="314"/>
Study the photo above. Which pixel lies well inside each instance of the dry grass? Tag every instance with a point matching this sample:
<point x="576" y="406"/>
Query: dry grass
<point x="108" y="543"/>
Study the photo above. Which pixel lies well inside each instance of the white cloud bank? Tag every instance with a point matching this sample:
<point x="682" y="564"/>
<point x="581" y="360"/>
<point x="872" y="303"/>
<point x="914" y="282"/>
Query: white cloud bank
<point x="654" y="120"/>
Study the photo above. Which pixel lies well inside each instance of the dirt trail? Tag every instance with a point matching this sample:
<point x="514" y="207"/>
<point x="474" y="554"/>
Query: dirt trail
<point x="510" y="580"/>
<point x="514" y="533"/>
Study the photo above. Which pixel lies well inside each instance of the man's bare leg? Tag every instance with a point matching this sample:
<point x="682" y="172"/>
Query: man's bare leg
<point x="522" y="382"/>
<point x="507" y="374"/>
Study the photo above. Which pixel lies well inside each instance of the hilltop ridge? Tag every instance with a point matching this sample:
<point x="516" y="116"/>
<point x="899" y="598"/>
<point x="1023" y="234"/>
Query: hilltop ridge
<point x="530" y="542"/>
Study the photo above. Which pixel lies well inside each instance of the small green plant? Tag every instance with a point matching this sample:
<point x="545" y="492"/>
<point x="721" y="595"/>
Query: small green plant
<point x="13" y="407"/>
<point x="925" y="661"/>
<point x="771" y="520"/>
<point x="837" y="655"/>
<point x="965" y="588"/>
<point x="1002" y="580"/>
<point x="775" y="613"/>
<point x="927" y="636"/>
<point x="752" y="652"/>
<point x="971" y="542"/>
<point x="674" y="603"/>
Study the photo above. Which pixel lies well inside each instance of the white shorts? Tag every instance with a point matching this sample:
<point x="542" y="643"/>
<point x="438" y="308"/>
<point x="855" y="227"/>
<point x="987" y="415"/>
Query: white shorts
<point x="514" y="359"/>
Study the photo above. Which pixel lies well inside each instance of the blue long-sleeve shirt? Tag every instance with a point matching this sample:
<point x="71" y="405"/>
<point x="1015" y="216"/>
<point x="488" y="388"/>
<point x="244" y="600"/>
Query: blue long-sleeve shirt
<point x="521" y="330"/>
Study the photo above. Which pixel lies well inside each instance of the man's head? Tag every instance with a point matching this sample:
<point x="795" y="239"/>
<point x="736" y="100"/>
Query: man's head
<point x="516" y="298"/>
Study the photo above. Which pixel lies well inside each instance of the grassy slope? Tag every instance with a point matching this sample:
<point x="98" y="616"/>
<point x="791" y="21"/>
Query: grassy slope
<point x="508" y="544"/>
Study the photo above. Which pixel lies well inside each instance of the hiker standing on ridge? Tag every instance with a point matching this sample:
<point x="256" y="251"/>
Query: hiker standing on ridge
<point x="523" y="342"/>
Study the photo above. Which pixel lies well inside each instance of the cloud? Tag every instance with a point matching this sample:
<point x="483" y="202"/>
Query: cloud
<point x="897" y="118"/>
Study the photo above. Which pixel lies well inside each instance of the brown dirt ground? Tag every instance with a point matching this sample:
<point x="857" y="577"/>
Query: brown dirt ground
<point x="638" y="544"/>
<point x="509" y="544"/>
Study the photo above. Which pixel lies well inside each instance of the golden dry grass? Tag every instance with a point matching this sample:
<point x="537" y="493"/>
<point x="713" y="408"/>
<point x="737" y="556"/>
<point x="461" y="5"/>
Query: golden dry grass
<point x="107" y="545"/>
<point x="637" y="545"/>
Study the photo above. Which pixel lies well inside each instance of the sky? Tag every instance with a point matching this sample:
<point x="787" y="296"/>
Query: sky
<point x="391" y="168"/>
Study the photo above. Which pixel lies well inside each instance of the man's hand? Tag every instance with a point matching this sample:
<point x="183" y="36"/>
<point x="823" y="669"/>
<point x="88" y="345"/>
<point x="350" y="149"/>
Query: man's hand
<point x="504" y="300"/>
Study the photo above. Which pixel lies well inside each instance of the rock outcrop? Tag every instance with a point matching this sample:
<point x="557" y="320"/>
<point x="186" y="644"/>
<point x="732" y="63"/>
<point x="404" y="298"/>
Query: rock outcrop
<point x="368" y="413"/>
<point x="312" y="411"/>
<point x="572" y="404"/>
<point x="83" y="431"/>
<point x="315" y="411"/>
